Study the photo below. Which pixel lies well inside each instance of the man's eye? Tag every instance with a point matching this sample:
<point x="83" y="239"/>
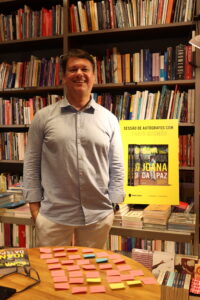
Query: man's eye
<point x="85" y="70"/>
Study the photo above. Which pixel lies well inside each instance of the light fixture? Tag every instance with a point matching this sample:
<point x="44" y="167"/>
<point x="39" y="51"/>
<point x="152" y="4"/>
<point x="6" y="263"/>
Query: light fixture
<point x="195" y="41"/>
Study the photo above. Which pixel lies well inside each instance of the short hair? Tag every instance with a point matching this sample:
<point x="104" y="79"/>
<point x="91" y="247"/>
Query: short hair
<point x="78" y="53"/>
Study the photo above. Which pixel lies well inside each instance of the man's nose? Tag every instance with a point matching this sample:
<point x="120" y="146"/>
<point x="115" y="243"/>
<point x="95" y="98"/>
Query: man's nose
<point x="79" y="72"/>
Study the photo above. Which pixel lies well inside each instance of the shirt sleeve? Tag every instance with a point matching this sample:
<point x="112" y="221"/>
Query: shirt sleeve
<point x="32" y="188"/>
<point x="116" y="166"/>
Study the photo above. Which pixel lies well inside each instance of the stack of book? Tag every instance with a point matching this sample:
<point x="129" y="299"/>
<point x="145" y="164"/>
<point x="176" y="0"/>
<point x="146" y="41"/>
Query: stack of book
<point x="133" y="219"/>
<point x="120" y="210"/>
<point x="143" y="256"/>
<point x="174" y="285"/>
<point x="182" y="221"/>
<point x="156" y="216"/>
<point x="5" y="198"/>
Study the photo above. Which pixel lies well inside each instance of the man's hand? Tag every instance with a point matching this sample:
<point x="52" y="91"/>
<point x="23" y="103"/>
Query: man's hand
<point x="34" y="208"/>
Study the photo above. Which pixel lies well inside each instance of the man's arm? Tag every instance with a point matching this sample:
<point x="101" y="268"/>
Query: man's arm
<point x="34" y="208"/>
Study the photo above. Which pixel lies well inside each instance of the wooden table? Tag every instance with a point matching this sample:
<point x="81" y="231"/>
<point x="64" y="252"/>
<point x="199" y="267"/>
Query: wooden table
<point x="45" y="289"/>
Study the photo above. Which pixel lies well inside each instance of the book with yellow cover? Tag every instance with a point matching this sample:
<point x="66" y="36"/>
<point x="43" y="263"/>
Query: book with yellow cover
<point x="151" y="161"/>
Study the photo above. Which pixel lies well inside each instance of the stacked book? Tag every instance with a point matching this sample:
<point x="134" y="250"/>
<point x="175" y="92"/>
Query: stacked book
<point x="174" y="285"/>
<point x="156" y="216"/>
<point x="6" y="198"/>
<point x="120" y="210"/>
<point x="133" y="219"/>
<point x="182" y="221"/>
<point x="143" y="256"/>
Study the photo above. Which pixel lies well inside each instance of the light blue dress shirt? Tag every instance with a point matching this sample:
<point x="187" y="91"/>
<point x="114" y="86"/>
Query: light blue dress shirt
<point x="74" y="163"/>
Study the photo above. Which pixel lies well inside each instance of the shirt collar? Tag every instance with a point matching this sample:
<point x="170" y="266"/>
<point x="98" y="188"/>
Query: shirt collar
<point x="65" y="105"/>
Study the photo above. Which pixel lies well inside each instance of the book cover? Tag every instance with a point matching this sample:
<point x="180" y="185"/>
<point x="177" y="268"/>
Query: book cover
<point x="185" y="264"/>
<point x="14" y="257"/>
<point x="162" y="261"/>
<point x="151" y="161"/>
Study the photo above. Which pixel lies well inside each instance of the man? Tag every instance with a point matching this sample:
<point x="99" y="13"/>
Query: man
<point x="73" y="168"/>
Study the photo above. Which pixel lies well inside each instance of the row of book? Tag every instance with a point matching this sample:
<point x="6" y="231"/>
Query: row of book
<point x="12" y="145"/>
<point x="127" y="244"/>
<point x="92" y="15"/>
<point x="146" y="105"/>
<point x="142" y="105"/>
<point x="26" y="23"/>
<point x="9" y="181"/>
<point x="34" y="73"/>
<point x="186" y="150"/>
<point x="17" y="235"/>
<point x="20" y="111"/>
<point x="145" y="65"/>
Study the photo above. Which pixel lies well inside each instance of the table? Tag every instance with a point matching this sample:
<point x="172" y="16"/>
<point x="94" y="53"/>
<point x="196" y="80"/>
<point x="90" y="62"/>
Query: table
<point x="45" y="289"/>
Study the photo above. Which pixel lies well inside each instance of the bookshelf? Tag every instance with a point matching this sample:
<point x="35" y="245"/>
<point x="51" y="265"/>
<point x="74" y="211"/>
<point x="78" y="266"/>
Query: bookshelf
<point x="157" y="37"/>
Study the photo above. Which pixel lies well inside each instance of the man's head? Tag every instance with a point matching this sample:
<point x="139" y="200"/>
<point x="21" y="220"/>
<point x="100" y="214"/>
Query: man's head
<point x="78" y="73"/>
<point x="78" y="53"/>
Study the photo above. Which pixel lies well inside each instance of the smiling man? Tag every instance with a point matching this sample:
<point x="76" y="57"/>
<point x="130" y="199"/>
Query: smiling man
<point x="73" y="167"/>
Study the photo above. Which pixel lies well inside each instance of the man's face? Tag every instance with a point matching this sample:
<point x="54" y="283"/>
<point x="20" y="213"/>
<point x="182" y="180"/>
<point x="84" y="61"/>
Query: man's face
<point x="79" y="76"/>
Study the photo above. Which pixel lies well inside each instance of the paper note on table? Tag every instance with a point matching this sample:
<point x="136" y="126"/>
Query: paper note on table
<point x="118" y="261"/>
<point x="133" y="282"/>
<point x="79" y="290"/>
<point x="67" y="262"/>
<point x="127" y="277"/>
<point x="97" y="289"/>
<point x="58" y="273"/>
<point x="101" y="260"/>
<point x="52" y="260"/>
<point x="90" y="255"/>
<point x="88" y="250"/>
<point x="92" y="274"/>
<point x="45" y="250"/>
<point x="76" y="280"/>
<point x="83" y="262"/>
<point x="60" y="279"/>
<point x="58" y="249"/>
<point x="112" y="272"/>
<point x="75" y="274"/>
<point x="101" y="254"/>
<point x="114" y="279"/>
<point x="136" y="272"/>
<point x="46" y="255"/>
<point x="149" y="280"/>
<point x="124" y="267"/>
<point x="73" y="268"/>
<point x="54" y="266"/>
<point x="89" y="267"/>
<point x="72" y="249"/>
<point x="93" y="279"/>
<point x="105" y="266"/>
<point x="114" y="256"/>
<point x="61" y="286"/>
<point x="74" y="256"/>
<point x="59" y="254"/>
<point x="116" y="286"/>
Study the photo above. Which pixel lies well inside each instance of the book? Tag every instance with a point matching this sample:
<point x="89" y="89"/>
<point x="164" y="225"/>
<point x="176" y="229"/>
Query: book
<point x="185" y="264"/>
<point x="162" y="261"/>
<point x="14" y="257"/>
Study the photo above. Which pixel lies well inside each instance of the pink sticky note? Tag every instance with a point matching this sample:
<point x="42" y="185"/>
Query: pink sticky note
<point x="118" y="261"/>
<point x="89" y="267"/>
<point x="149" y="280"/>
<point x="79" y="290"/>
<point x="93" y="274"/>
<point x="54" y="266"/>
<point x="67" y="262"/>
<point x="45" y="250"/>
<point x="58" y="273"/>
<point x="124" y="267"/>
<point x="52" y="260"/>
<point x="97" y="289"/>
<point x="136" y="272"/>
<point x="114" y="256"/>
<point x="105" y="266"/>
<point x="112" y="273"/>
<point x="61" y="286"/>
<point x="72" y="249"/>
<point x="127" y="277"/>
<point x="74" y="256"/>
<point x="60" y="279"/>
<point x="46" y="255"/>
<point x="59" y="254"/>
<point x="73" y="268"/>
<point x="76" y="280"/>
<point x="83" y="262"/>
<point x="58" y="249"/>
<point x="114" y="279"/>
<point x="101" y="254"/>
<point x="88" y="250"/>
<point x="75" y="274"/>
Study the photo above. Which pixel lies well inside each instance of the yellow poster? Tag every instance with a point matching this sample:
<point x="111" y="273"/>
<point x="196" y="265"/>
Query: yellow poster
<point x="151" y="161"/>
